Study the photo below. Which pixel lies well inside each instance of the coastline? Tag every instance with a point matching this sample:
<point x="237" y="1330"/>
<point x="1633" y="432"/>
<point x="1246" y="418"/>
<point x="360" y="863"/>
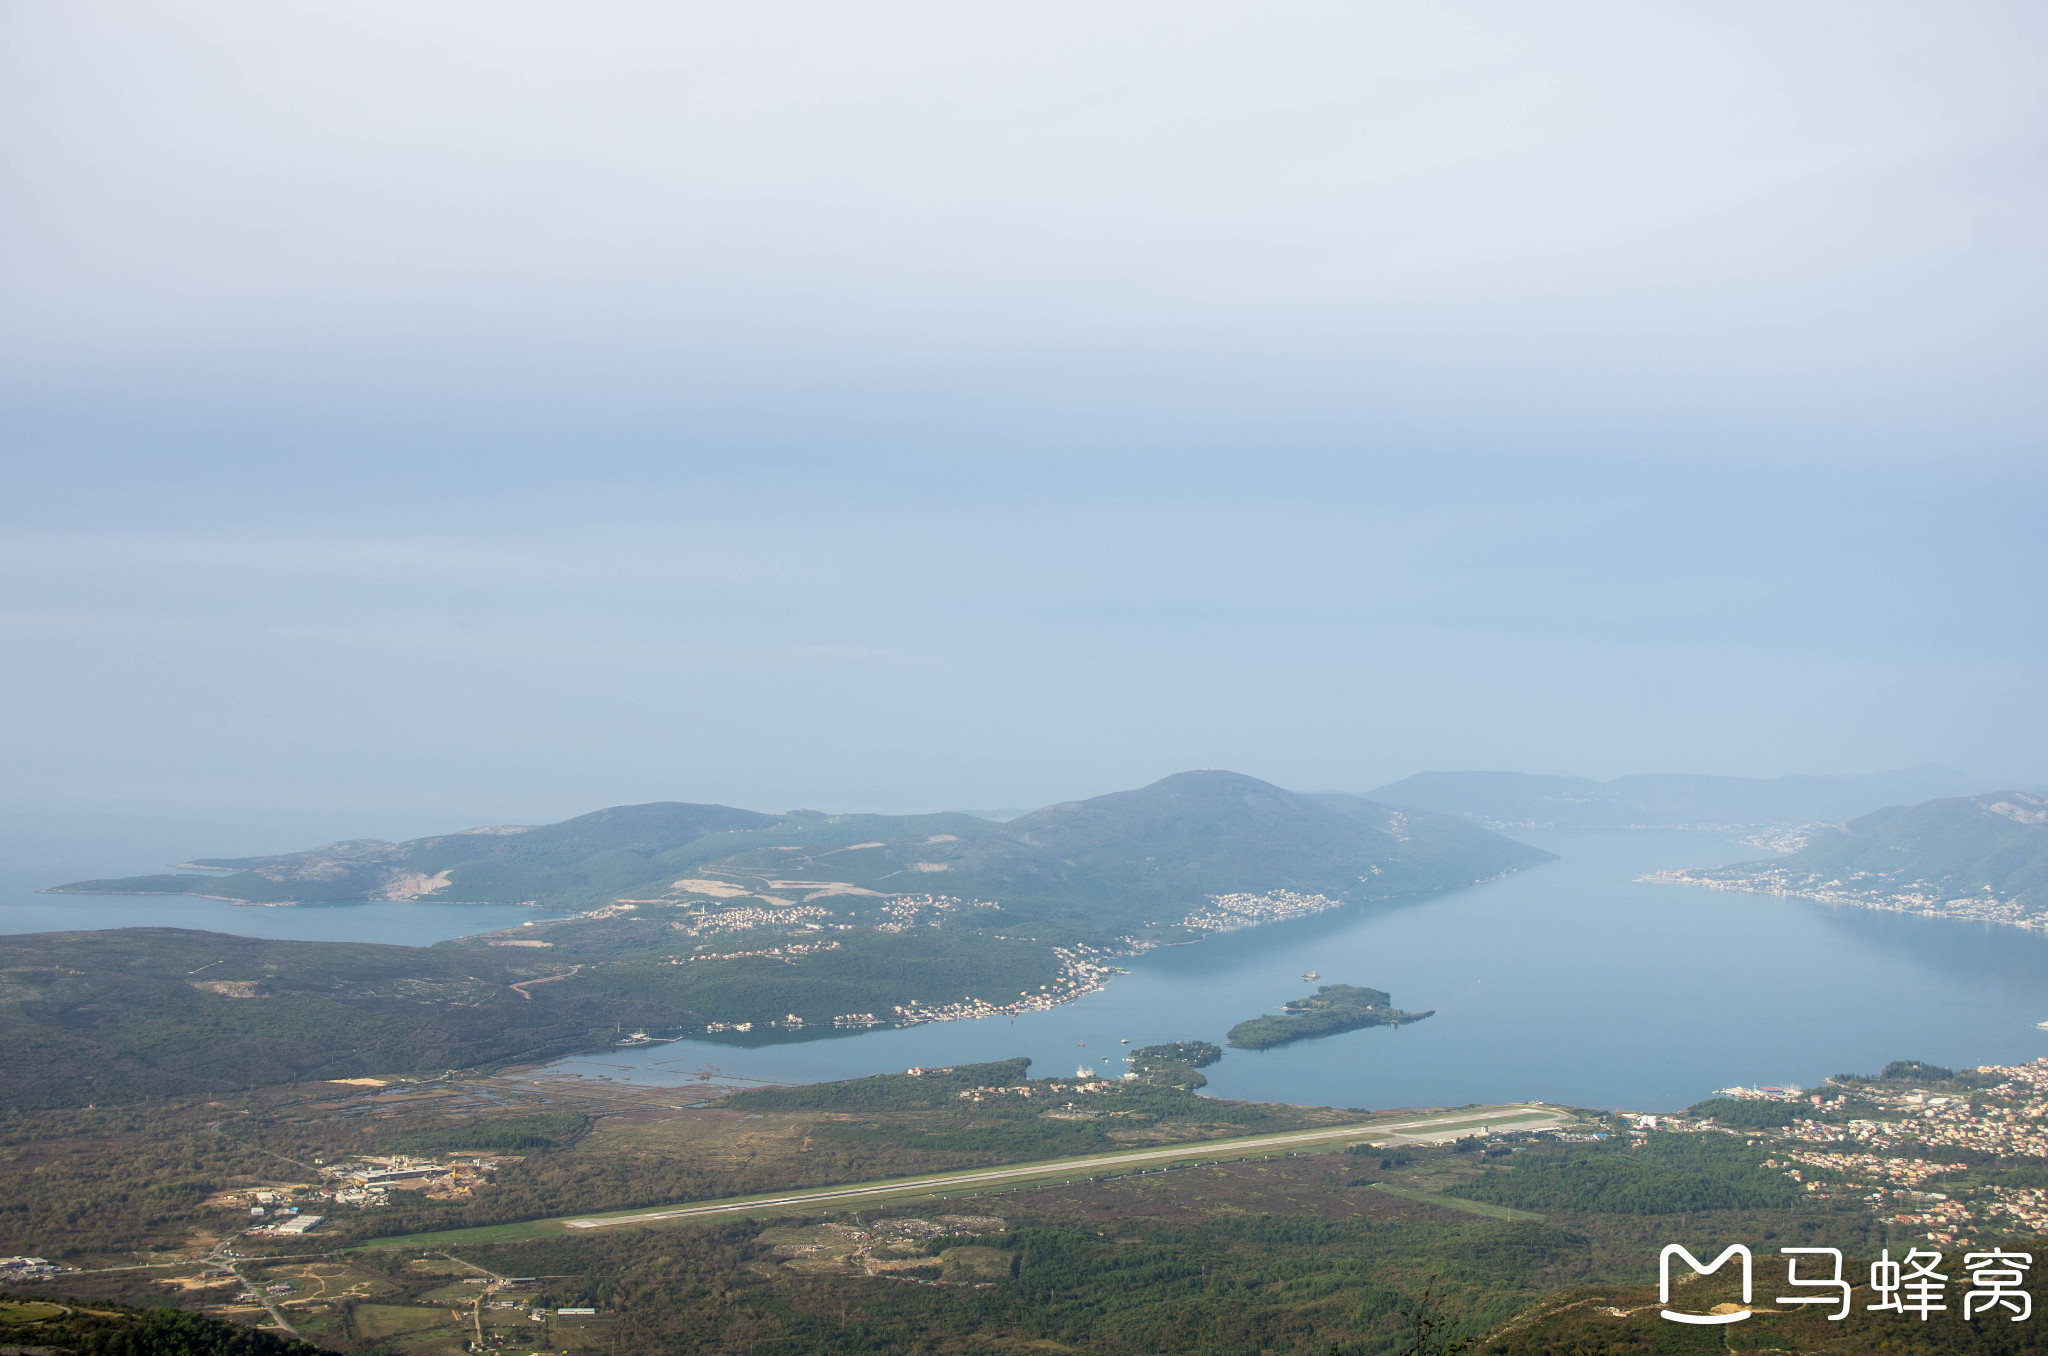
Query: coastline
<point x="1964" y="908"/>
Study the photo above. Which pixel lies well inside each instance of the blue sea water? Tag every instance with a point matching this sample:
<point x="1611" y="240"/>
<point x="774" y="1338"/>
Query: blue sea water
<point x="1571" y="982"/>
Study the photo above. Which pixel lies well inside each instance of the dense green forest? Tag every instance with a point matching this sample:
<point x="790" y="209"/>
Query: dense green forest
<point x="134" y="1012"/>
<point x="1055" y="1120"/>
<point x="1666" y="1175"/>
<point x="103" y="1328"/>
<point x="122" y="1014"/>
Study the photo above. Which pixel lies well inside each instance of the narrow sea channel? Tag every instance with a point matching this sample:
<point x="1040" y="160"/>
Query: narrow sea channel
<point x="1569" y="983"/>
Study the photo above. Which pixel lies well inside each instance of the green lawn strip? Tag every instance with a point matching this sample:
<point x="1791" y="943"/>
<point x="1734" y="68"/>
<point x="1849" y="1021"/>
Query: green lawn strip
<point x="967" y="1182"/>
<point x="1454" y="1203"/>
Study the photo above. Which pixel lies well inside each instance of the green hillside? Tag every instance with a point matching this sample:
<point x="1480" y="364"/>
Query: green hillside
<point x="573" y="864"/>
<point x="39" y="1324"/>
<point x="136" y="1012"/>
<point x="124" y="1013"/>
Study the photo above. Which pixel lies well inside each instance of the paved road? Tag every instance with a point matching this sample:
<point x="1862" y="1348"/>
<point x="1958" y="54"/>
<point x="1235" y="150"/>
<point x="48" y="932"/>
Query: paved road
<point x="1429" y="1127"/>
<point x="276" y="1314"/>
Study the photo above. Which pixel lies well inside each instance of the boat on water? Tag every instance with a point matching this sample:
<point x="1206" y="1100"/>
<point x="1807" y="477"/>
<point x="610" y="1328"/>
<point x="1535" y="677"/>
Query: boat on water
<point x="1125" y="1041"/>
<point x="1310" y="976"/>
<point x="2042" y="1025"/>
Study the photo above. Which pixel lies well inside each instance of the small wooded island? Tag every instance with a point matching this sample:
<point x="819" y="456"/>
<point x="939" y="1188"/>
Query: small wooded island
<point x="1332" y="1008"/>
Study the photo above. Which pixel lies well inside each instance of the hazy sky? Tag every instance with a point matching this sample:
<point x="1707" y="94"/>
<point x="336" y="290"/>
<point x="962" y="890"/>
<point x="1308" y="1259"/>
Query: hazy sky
<point x="494" y="411"/>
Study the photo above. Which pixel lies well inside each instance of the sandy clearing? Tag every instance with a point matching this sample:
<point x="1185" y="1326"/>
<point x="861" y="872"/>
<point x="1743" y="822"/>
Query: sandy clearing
<point x="413" y="884"/>
<point x="717" y="889"/>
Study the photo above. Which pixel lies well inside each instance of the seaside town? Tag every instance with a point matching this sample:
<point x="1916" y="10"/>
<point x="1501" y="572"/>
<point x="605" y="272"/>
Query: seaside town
<point x="1083" y="970"/>
<point x="1901" y="1141"/>
<point x="747" y="917"/>
<point x="1862" y="890"/>
<point x="1227" y="913"/>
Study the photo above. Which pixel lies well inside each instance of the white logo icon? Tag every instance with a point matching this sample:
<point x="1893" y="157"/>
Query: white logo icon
<point x="1704" y="1269"/>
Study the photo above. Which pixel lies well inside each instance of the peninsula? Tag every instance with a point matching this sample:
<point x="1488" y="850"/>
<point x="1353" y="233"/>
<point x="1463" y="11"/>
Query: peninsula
<point x="701" y="920"/>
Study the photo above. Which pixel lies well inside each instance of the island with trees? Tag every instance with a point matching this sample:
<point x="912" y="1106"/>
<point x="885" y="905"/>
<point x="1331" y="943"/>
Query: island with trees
<point x="1329" y="1010"/>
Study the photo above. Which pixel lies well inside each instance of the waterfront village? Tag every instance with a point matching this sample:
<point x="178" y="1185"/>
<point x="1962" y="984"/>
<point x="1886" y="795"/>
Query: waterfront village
<point x="1086" y="969"/>
<point x="1848" y="1139"/>
<point x="1227" y="913"/>
<point x="361" y="1183"/>
<point x="1082" y="969"/>
<point x="1863" y="890"/>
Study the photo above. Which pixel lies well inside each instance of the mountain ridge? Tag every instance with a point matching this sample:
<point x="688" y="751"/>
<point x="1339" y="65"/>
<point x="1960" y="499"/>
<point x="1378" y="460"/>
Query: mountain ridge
<point x="1167" y="845"/>
<point x="1671" y="800"/>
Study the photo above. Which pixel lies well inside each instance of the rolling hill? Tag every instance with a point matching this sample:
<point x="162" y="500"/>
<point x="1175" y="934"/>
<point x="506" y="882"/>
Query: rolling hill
<point x="575" y="863"/>
<point x="1097" y="868"/>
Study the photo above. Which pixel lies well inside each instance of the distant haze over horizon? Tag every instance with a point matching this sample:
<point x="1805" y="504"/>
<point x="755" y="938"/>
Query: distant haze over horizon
<point x="452" y="413"/>
<point x="1488" y="795"/>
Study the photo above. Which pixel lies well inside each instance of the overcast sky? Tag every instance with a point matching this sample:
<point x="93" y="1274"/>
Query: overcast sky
<point x="494" y="411"/>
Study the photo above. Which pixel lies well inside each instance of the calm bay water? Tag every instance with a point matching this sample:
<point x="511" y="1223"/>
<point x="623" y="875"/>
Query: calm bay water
<point x="1569" y="983"/>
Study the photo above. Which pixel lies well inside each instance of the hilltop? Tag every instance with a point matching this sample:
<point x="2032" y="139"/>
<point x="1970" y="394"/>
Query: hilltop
<point x="1983" y="857"/>
<point x="1669" y="800"/>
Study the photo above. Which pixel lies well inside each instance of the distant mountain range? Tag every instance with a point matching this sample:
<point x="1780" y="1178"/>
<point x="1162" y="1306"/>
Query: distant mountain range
<point x="1979" y="857"/>
<point x="1667" y="800"/>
